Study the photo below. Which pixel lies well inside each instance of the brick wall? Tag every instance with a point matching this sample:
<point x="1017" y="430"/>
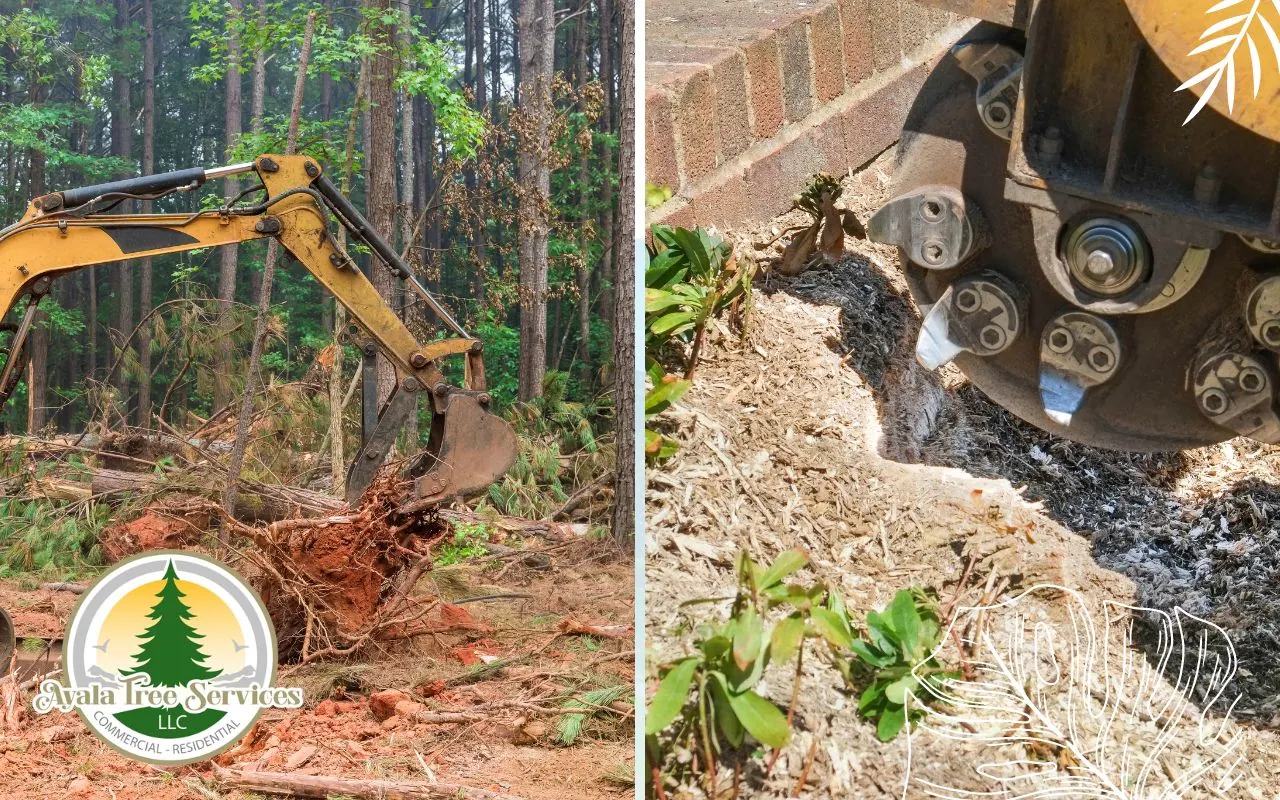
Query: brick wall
<point x="745" y="100"/>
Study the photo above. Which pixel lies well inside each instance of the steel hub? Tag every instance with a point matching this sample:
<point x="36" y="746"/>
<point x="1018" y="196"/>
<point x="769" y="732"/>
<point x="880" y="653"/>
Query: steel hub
<point x="1112" y="311"/>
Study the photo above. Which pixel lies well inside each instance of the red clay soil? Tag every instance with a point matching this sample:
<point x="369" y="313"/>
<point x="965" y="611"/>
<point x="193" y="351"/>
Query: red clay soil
<point x="173" y="522"/>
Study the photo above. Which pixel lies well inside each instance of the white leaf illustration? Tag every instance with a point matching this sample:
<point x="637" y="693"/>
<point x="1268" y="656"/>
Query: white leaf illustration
<point x="1061" y="703"/>
<point x="1236" y="30"/>
<point x="1256" y="62"/>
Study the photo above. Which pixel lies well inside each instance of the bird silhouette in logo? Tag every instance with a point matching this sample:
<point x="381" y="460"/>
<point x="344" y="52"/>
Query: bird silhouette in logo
<point x="238" y="647"/>
<point x="103" y="646"/>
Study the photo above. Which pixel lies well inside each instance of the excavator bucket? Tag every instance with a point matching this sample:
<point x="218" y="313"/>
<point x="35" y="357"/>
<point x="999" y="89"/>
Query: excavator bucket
<point x="469" y="448"/>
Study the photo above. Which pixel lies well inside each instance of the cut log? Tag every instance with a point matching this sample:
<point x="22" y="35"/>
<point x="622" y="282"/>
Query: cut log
<point x="324" y="786"/>
<point x="257" y="502"/>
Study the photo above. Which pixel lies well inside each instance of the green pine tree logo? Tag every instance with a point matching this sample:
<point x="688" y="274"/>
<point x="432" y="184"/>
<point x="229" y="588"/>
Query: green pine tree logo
<point x="170" y="655"/>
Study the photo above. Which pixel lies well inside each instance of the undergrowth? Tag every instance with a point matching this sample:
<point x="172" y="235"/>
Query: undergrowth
<point x="707" y="708"/>
<point x="39" y="536"/>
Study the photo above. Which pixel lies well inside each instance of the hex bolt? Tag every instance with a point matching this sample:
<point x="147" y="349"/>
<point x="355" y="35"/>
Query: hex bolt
<point x="1099" y="263"/>
<point x="1251" y="380"/>
<point x="1061" y="340"/>
<point x="997" y="113"/>
<point x="1213" y="401"/>
<point x="418" y="360"/>
<point x="1208" y="186"/>
<point x="312" y="169"/>
<point x="993" y="336"/>
<point x="1102" y="359"/>
<point x="968" y="300"/>
<point x="1271" y="333"/>
<point x="1050" y="146"/>
<point x="933" y="252"/>
<point x="931" y="210"/>
<point x="268" y="165"/>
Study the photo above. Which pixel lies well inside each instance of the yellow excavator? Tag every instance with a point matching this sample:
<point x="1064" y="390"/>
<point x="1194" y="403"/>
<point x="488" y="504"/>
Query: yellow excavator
<point x="468" y="448"/>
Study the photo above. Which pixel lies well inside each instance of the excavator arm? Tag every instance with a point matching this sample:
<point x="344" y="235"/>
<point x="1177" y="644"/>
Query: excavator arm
<point x="469" y="446"/>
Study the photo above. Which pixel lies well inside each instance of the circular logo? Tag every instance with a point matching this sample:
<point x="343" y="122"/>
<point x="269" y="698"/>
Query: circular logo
<point x="169" y="658"/>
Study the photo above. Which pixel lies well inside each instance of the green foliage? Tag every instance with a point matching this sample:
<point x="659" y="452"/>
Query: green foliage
<point x="467" y="542"/>
<point x="692" y="276"/>
<point x="558" y="447"/>
<point x="38" y="536"/>
<point x="655" y="195"/>
<point x="662" y="392"/>
<point x="709" y="696"/>
<point x="570" y="725"/>
<point x="899" y="650"/>
<point x="429" y="73"/>
<point x="706" y="701"/>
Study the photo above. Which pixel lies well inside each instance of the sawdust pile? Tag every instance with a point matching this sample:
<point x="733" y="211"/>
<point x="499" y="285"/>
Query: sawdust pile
<point x="816" y="430"/>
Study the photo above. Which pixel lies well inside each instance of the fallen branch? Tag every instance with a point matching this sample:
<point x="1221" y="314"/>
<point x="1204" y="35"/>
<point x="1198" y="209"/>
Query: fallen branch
<point x="257" y="502"/>
<point x="73" y="588"/>
<point x="325" y="786"/>
<point x="583" y="495"/>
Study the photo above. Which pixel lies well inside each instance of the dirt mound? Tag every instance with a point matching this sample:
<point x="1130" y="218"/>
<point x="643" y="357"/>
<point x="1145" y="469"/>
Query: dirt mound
<point x="332" y="585"/>
<point x="173" y="522"/>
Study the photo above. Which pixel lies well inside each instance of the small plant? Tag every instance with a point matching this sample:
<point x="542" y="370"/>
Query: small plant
<point x="692" y="276"/>
<point x="899" y="651"/>
<point x="468" y="542"/>
<point x="732" y="658"/>
<point x="664" y="390"/>
<point x="570" y="725"/>
<point x="824" y="235"/>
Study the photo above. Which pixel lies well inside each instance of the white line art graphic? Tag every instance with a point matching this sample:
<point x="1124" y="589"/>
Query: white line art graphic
<point x="1234" y="32"/>
<point x="1063" y="704"/>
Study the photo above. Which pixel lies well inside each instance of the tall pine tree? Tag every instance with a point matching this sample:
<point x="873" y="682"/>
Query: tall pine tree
<point x="170" y="652"/>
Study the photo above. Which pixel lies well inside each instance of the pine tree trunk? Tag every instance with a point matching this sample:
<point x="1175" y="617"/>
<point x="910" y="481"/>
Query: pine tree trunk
<point x="536" y="34"/>
<point x="245" y="418"/>
<point x="381" y="157"/>
<point x="122" y="140"/>
<point x="607" y="76"/>
<point x="624" y="341"/>
<point x="148" y="167"/>
<point x="233" y="122"/>
<point x="582" y="268"/>
<point x="38" y="365"/>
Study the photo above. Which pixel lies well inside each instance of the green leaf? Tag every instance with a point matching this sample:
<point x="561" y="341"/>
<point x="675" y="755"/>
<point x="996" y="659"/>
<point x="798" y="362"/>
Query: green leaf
<point x="905" y="621"/>
<point x="695" y="250"/>
<point x="726" y="717"/>
<point x="872" y="699"/>
<point x="896" y="692"/>
<point x="663" y="395"/>
<point x="748" y="638"/>
<point x="783" y="566"/>
<point x="870" y="655"/>
<point x="672" y="694"/>
<point x="761" y="718"/>
<point x="832" y="627"/>
<point x="673" y="324"/>
<point x="882" y="635"/>
<point x="786" y="639"/>
<point x="891" y="722"/>
<point x="658" y="300"/>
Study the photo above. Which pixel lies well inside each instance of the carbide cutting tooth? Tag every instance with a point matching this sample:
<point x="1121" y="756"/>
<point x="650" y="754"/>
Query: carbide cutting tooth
<point x="1060" y="396"/>
<point x="934" y="346"/>
<point x="1078" y="351"/>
